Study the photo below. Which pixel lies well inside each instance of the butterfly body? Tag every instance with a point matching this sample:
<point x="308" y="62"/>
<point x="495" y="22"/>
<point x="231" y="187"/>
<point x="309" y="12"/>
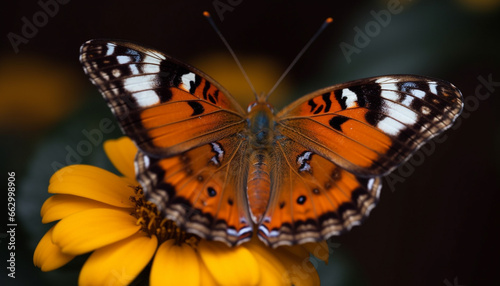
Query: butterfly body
<point x="261" y="137"/>
<point x="303" y="174"/>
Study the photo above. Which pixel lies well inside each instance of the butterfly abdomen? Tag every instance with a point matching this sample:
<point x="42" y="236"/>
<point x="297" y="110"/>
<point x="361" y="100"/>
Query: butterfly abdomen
<point x="258" y="184"/>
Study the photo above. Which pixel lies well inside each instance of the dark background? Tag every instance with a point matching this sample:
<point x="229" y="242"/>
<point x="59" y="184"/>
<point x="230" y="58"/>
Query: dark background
<point x="436" y="223"/>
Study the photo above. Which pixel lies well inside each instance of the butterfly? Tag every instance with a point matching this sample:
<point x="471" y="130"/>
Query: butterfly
<point x="303" y="174"/>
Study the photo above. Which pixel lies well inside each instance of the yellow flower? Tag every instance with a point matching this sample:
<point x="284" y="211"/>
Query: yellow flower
<point x="107" y="215"/>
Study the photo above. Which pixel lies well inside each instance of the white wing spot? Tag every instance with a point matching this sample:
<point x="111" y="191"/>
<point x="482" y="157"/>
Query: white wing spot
<point x="390" y="126"/>
<point x="418" y="93"/>
<point x="401" y="113"/>
<point x="186" y="81"/>
<point x="146" y="98"/>
<point x="104" y="75"/>
<point x="116" y="72"/>
<point x="123" y="59"/>
<point x="134" y="69"/>
<point x="350" y="98"/>
<point x="139" y="83"/>
<point x="390" y="95"/>
<point x="111" y="50"/>
<point x="433" y="87"/>
<point x="426" y="110"/>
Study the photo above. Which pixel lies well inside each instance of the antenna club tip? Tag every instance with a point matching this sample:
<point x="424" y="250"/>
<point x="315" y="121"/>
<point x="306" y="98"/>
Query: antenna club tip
<point x="206" y="14"/>
<point x="329" y="20"/>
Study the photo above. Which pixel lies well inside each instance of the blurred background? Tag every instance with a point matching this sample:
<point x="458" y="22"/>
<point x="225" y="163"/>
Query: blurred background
<point x="436" y="220"/>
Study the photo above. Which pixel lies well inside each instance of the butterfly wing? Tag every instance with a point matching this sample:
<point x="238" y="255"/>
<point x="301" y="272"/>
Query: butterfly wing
<point x="165" y="106"/>
<point x="336" y="143"/>
<point x="313" y="198"/>
<point x="371" y="126"/>
<point x="201" y="189"/>
<point x="186" y="127"/>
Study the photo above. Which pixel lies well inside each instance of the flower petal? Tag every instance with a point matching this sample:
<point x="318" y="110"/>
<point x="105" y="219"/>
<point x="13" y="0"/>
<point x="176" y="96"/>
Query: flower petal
<point x="91" y="229"/>
<point x="118" y="263"/>
<point x="122" y="153"/>
<point x="175" y="265"/>
<point x="272" y="270"/>
<point x="319" y="250"/>
<point x="60" y="206"/>
<point x="229" y="265"/>
<point x="92" y="183"/>
<point x="48" y="256"/>
<point x="300" y="270"/>
<point x="206" y="278"/>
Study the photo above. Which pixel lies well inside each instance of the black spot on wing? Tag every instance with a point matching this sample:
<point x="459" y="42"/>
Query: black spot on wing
<point x="327" y="100"/>
<point x="211" y="192"/>
<point x="197" y="107"/>
<point x="320" y="108"/>
<point x="337" y="121"/>
<point x="369" y="97"/>
<point x="340" y="99"/>
<point x="312" y="104"/>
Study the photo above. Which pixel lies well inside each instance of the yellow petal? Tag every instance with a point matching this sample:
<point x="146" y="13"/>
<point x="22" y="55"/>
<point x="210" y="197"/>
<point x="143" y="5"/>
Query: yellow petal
<point x="122" y="153"/>
<point x="120" y="262"/>
<point x="229" y="265"/>
<point x="91" y="229"/>
<point x="206" y="278"/>
<point x="175" y="265"/>
<point x="272" y="270"/>
<point x="300" y="270"/>
<point x="60" y="206"/>
<point x="318" y="249"/>
<point x="48" y="256"/>
<point x="92" y="183"/>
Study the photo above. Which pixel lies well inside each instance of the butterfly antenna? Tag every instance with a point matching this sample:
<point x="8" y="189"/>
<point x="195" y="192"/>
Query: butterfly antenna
<point x="212" y="23"/>
<point x="323" y="26"/>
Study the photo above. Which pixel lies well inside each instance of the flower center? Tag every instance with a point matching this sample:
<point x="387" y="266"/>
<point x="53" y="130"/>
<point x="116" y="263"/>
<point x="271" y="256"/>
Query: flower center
<point x="153" y="223"/>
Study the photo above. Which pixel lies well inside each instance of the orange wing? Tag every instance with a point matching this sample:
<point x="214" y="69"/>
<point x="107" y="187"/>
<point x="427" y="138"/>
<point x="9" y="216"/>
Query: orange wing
<point x="187" y="128"/>
<point x="313" y="198"/>
<point x="202" y="189"/>
<point x="371" y="126"/>
<point x="334" y="145"/>
<point x="164" y="105"/>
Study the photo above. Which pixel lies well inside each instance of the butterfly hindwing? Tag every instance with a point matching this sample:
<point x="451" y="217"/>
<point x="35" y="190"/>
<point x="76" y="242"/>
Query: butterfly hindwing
<point x="313" y="198"/>
<point x="201" y="189"/>
<point x="164" y="105"/>
<point x="371" y="126"/>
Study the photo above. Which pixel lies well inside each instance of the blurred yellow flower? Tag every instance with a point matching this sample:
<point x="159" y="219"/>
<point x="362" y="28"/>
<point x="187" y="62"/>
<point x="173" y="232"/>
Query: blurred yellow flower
<point x="101" y="212"/>
<point x="33" y="87"/>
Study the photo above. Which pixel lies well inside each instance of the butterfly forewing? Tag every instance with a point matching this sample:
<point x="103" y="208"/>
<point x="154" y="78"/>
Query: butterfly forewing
<point x="165" y="106"/>
<point x="371" y="126"/>
<point x="187" y="128"/>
